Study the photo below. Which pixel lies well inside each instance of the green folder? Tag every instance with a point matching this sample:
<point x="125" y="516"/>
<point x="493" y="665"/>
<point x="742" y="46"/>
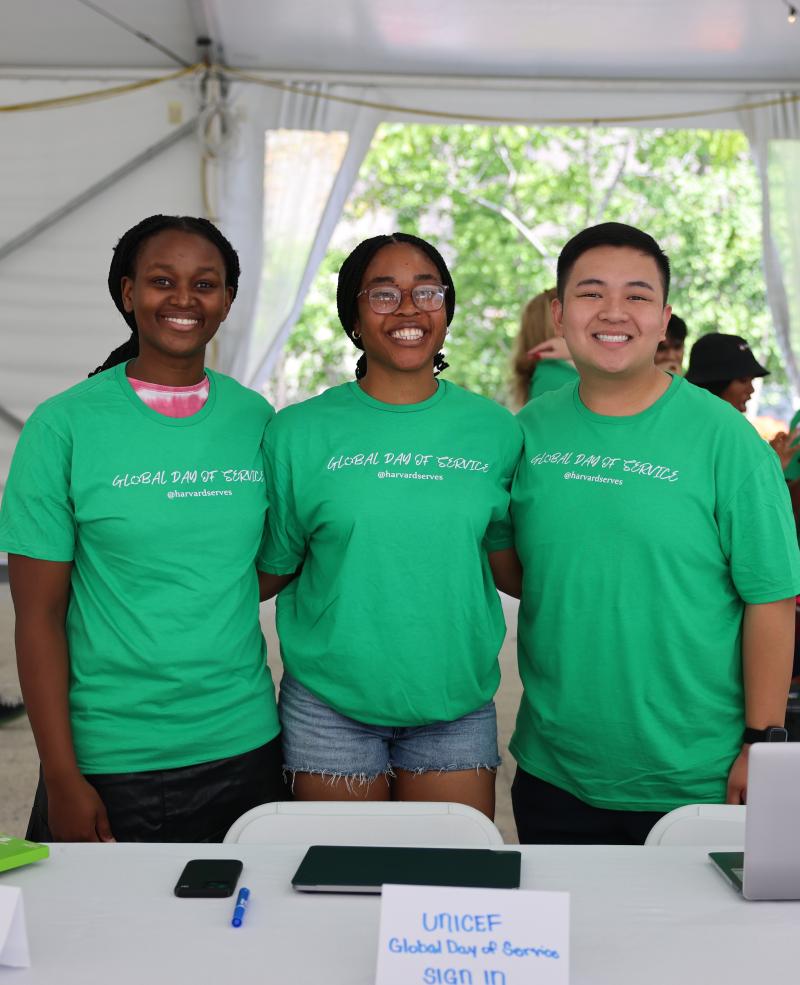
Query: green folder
<point x="18" y="851"/>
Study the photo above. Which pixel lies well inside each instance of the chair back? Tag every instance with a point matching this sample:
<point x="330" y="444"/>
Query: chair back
<point x="713" y="825"/>
<point x="428" y="824"/>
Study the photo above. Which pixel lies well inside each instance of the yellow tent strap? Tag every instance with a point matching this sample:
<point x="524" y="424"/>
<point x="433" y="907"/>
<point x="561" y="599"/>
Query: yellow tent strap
<point x="431" y="114"/>
<point x="513" y="120"/>
<point x="96" y="94"/>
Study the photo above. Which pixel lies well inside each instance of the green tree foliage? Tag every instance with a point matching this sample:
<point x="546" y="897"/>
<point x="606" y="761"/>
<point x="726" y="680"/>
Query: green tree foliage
<point x="500" y="202"/>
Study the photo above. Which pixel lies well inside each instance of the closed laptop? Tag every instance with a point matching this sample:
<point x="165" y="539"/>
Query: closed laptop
<point x="770" y="866"/>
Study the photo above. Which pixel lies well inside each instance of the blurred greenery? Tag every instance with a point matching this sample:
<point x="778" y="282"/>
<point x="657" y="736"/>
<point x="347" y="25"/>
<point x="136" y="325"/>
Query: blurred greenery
<point x="500" y="202"/>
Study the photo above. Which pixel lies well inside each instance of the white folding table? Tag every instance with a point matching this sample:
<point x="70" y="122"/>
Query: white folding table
<point x="639" y="916"/>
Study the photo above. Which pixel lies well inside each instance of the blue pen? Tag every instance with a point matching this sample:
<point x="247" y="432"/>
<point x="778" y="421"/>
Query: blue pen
<point x="241" y="906"/>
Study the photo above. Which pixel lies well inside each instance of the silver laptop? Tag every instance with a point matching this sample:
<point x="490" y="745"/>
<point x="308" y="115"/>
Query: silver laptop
<point x="769" y="868"/>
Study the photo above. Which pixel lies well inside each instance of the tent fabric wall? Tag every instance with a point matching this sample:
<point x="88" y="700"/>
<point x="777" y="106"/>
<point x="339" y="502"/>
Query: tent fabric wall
<point x="57" y="321"/>
<point x="774" y="135"/>
<point x="252" y="337"/>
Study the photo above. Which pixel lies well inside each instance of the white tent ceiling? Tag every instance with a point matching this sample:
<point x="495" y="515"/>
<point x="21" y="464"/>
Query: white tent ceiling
<point x="738" y="40"/>
<point x="531" y="58"/>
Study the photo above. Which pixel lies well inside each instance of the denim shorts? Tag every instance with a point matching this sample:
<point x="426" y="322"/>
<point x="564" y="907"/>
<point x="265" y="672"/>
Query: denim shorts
<point x="317" y="739"/>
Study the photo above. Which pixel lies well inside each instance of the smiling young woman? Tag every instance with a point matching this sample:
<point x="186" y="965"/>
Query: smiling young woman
<point x="132" y="562"/>
<point x="392" y="494"/>
<point x="179" y="297"/>
<point x="401" y="323"/>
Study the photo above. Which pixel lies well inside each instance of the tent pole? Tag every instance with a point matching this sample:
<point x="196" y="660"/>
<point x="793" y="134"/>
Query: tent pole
<point x="94" y="190"/>
<point x="9" y="418"/>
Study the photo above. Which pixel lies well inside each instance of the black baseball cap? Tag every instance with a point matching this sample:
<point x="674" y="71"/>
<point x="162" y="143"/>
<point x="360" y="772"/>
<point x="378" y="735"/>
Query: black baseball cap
<point x="716" y="357"/>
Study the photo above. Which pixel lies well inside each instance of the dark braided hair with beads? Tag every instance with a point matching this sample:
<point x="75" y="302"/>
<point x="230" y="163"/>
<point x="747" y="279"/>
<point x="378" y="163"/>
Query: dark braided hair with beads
<point x="123" y="264"/>
<point x="351" y="275"/>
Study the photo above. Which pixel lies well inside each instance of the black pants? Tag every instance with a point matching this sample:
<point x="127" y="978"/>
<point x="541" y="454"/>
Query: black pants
<point x="548" y="815"/>
<point x="192" y="803"/>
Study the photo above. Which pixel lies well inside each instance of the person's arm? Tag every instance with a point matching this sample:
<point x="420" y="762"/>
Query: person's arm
<point x="785" y="445"/>
<point x="507" y="571"/>
<point x="40" y="591"/>
<point x="269" y="585"/>
<point x="767" y="652"/>
<point x="554" y="348"/>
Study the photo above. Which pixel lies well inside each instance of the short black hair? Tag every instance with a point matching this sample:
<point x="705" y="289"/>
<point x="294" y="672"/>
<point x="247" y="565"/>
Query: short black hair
<point x="352" y="273"/>
<point x="676" y="329"/>
<point x="610" y="234"/>
<point x="123" y="264"/>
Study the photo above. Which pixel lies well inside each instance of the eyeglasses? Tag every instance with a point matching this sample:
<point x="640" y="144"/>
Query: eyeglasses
<point x="385" y="299"/>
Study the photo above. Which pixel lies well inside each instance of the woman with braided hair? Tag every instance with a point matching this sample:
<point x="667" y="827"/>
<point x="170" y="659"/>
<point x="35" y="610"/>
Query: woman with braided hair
<point x="392" y="493"/>
<point x="133" y="517"/>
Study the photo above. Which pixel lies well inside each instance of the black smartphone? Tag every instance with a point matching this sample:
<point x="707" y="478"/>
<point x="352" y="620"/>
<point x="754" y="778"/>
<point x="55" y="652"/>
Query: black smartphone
<point x="209" y="877"/>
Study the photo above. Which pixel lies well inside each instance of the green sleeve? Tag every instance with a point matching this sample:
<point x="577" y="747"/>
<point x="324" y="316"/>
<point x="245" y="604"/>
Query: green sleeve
<point x="37" y="517"/>
<point x="792" y="470"/>
<point x="284" y="545"/>
<point x="262" y="547"/>
<point x="500" y="533"/>
<point x="551" y="374"/>
<point x="758" y="535"/>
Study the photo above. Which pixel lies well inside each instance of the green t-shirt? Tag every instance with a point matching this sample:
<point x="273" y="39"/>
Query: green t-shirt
<point x="162" y="519"/>
<point x="792" y="470"/>
<point x="391" y="509"/>
<point x="551" y="374"/>
<point x="642" y="538"/>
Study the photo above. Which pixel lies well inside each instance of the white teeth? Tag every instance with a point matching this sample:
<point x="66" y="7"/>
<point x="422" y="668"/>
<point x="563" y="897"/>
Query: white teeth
<point x="180" y="321"/>
<point x="612" y="338"/>
<point x="407" y="334"/>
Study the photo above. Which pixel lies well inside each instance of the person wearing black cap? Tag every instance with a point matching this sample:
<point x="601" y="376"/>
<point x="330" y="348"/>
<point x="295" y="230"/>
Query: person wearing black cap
<point x="725" y="366"/>
<point x="391" y="493"/>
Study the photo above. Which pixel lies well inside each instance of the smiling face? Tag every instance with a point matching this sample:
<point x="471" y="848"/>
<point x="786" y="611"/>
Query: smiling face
<point x="738" y="392"/>
<point x="406" y="340"/>
<point x="177" y="294"/>
<point x="613" y="314"/>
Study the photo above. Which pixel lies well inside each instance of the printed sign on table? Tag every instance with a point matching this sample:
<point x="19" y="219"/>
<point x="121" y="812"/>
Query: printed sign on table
<point x="442" y="936"/>
<point x="13" y="936"/>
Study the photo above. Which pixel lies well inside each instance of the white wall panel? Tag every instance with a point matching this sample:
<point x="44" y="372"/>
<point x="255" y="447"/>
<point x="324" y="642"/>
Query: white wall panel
<point x="57" y="320"/>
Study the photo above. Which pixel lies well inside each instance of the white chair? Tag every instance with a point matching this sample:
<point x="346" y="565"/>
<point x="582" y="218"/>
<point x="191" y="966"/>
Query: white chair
<point x="429" y="824"/>
<point x="700" y="824"/>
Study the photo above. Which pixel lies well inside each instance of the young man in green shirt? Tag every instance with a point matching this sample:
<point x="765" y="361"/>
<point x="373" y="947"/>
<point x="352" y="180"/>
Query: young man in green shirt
<point x="660" y="568"/>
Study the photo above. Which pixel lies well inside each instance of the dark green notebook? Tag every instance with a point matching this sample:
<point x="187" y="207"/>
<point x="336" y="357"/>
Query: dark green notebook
<point x="362" y="869"/>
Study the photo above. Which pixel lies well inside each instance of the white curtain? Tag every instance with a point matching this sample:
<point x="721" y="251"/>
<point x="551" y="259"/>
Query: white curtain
<point x="774" y="135"/>
<point x="272" y="289"/>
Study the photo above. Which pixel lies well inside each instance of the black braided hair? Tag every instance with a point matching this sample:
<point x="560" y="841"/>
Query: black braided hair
<point x="352" y="273"/>
<point x="123" y="264"/>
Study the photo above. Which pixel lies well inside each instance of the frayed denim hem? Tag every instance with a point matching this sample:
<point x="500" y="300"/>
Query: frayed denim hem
<point x="452" y="768"/>
<point x="353" y="781"/>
